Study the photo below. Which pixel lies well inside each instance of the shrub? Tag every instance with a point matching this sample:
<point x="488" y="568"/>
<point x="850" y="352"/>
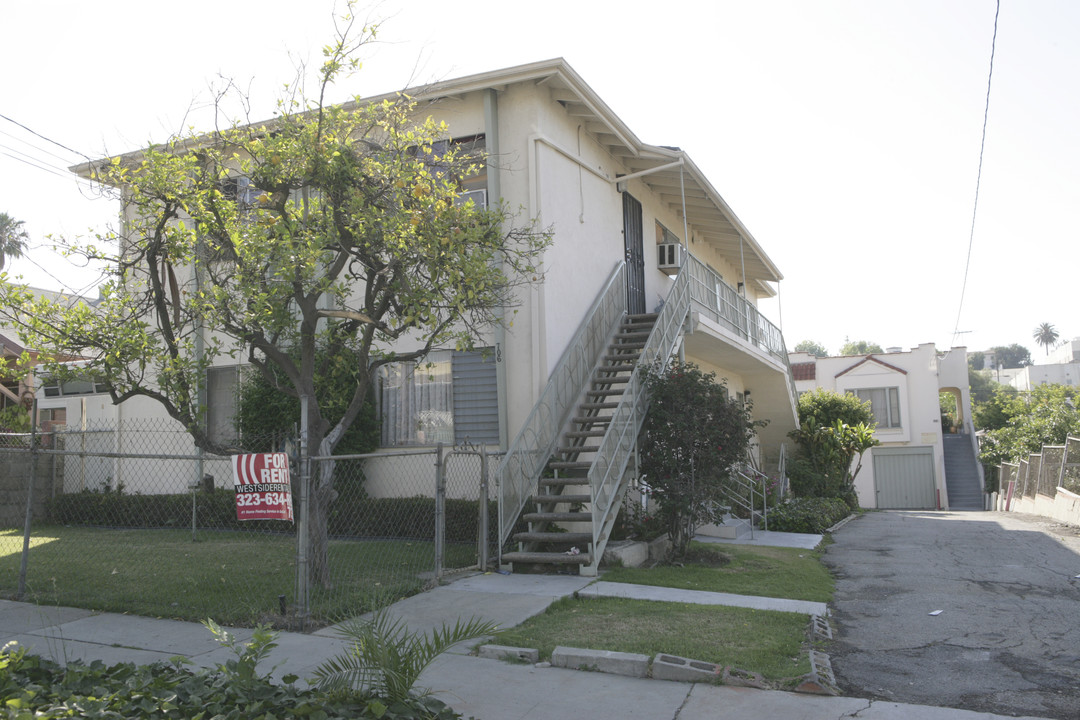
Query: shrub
<point x="354" y="516"/>
<point x="694" y="433"/>
<point x="31" y="686"/>
<point x="808" y="515"/>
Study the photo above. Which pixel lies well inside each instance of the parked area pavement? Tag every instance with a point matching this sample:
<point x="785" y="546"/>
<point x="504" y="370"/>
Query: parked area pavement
<point x="1007" y="637"/>
<point x="482" y="688"/>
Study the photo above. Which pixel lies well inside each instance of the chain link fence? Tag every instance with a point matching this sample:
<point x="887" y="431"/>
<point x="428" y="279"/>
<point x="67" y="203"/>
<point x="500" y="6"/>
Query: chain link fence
<point x="131" y="518"/>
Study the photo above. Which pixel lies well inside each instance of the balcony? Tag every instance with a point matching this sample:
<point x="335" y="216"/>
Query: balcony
<point x="728" y="332"/>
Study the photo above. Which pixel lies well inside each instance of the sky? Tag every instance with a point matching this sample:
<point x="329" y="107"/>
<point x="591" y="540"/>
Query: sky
<point x="844" y="134"/>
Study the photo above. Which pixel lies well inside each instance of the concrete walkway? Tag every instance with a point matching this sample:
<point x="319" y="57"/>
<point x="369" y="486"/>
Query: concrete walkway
<point x="485" y="689"/>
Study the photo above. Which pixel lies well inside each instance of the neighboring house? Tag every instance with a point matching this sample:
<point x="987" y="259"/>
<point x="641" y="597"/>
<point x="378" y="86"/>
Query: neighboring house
<point x="1028" y="378"/>
<point x="918" y="464"/>
<point x="639" y="233"/>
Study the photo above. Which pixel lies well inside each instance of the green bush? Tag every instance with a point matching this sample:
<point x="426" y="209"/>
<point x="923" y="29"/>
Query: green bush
<point x="356" y="516"/>
<point x="31" y="686"/>
<point x="808" y="515"/>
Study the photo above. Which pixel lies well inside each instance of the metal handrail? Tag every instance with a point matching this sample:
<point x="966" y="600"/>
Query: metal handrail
<point x="526" y="457"/>
<point x="619" y="442"/>
<point x="723" y="304"/>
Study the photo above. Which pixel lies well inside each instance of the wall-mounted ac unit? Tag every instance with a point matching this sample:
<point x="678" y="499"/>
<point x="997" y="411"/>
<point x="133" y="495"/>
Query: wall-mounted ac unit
<point x="670" y="257"/>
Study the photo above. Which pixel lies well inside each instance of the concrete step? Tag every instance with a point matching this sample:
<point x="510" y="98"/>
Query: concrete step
<point x="543" y="558"/>
<point x="572" y="538"/>
<point x="539" y="517"/>
<point x="556" y="499"/>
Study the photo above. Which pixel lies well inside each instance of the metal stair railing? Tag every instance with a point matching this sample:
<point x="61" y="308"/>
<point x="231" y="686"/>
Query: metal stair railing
<point x="620" y="441"/>
<point x="746" y="484"/>
<point x="524" y="461"/>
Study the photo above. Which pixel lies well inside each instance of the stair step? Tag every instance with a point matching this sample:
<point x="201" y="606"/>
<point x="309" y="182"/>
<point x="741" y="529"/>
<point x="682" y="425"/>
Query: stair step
<point x="556" y="499"/>
<point x="592" y="419"/>
<point x="634" y="334"/>
<point x="562" y="481"/>
<point x="584" y="434"/>
<point x="627" y="346"/>
<point x="569" y="465"/>
<point x="557" y="517"/>
<point x="613" y="392"/>
<point x="612" y="380"/>
<point x="578" y="449"/>
<point x="554" y="537"/>
<point x="598" y="406"/>
<point x="548" y="558"/>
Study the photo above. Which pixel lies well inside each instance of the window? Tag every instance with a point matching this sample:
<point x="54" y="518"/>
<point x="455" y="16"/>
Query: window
<point x="54" y="388"/>
<point x="449" y="397"/>
<point x="221" y="389"/>
<point x="884" y="403"/>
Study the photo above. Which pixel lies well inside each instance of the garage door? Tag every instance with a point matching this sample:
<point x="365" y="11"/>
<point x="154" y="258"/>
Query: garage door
<point x="904" y="478"/>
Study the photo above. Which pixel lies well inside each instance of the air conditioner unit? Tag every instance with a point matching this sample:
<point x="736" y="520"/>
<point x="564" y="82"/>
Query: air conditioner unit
<point x="670" y="257"/>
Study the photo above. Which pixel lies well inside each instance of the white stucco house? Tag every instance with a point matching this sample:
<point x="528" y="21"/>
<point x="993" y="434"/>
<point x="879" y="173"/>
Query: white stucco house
<point x="646" y="257"/>
<point x="919" y="464"/>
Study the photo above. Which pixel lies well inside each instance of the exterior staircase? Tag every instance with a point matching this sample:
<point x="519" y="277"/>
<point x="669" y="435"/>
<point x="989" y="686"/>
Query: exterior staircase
<point x="560" y="523"/>
<point x="962" y="480"/>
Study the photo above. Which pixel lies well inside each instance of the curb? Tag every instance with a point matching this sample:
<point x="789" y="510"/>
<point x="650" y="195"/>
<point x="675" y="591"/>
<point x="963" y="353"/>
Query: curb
<point x="842" y="523"/>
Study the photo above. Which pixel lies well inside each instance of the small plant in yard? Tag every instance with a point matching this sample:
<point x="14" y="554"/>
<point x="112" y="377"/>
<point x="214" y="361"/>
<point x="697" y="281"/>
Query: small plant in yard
<point x="385" y="660"/>
<point x="694" y="433"/>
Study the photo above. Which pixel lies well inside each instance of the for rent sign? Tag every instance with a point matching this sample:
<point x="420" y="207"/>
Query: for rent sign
<point x="262" y="487"/>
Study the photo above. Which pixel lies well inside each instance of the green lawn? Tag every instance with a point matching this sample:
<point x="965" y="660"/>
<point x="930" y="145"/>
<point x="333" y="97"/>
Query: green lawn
<point x="233" y="577"/>
<point x="771" y="643"/>
<point x="740" y="569"/>
<point x="768" y="642"/>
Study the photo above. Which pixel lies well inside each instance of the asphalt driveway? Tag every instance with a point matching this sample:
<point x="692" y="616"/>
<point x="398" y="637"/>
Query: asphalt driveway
<point x="1007" y="638"/>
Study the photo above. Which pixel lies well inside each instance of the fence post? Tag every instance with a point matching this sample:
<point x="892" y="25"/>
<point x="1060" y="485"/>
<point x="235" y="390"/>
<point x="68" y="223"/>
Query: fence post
<point x="303" y="571"/>
<point x="23" y="561"/>
<point x="440" y="510"/>
<point x="483" y="508"/>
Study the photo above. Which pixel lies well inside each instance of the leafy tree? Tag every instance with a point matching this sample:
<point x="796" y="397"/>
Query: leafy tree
<point x="860" y="347"/>
<point x="693" y="435"/>
<point x="813" y="347"/>
<point x="1046" y="335"/>
<point x="348" y="237"/>
<point x="977" y="360"/>
<point x="13" y="239"/>
<point x="981" y="386"/>
<point x="835" y="429"/>
<point x="265" y="415"/>
<point x="1011" y="356"/>
<point x="1003" y="405"/>
<point x="1047" y="417"/>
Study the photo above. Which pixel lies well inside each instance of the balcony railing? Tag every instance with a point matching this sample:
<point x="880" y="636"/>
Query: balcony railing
<point x="722" y="304"/>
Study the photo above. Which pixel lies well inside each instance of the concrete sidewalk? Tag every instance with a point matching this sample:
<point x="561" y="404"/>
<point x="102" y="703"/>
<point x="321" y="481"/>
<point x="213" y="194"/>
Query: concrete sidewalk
<point x="485" y="689"/>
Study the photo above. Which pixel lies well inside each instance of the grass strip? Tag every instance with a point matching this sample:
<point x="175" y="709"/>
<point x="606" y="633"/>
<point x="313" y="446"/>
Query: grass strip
<point x="740" y="569"/>
<point x="233" y="577"/>
<point x="769" y="642"/>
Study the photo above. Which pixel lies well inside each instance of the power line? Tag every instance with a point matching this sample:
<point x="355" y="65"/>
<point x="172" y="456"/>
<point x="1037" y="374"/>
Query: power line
<point x="46" y="139"/>
<point x="978" y="177"/>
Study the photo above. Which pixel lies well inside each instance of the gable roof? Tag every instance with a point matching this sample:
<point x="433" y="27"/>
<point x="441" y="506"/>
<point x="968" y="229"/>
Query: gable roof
<point x="868" y="359"/>
<point x="668" y="172"/>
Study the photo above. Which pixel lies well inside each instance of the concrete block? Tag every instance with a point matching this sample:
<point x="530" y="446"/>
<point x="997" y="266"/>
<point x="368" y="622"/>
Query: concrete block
<point x="680" y="669"/>
<point x="820" y="680"/>
<point x="505" y="652"/>
<point x="607" y="661"/>
<point x="628" y="553"/>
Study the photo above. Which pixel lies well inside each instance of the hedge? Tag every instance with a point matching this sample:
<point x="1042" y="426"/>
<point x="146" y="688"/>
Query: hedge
<point x="808" y="515"/>
<point x="410" y="518"/>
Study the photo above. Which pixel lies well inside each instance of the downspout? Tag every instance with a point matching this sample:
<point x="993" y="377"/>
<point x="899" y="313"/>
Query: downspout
<point x="494" y="193"/>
